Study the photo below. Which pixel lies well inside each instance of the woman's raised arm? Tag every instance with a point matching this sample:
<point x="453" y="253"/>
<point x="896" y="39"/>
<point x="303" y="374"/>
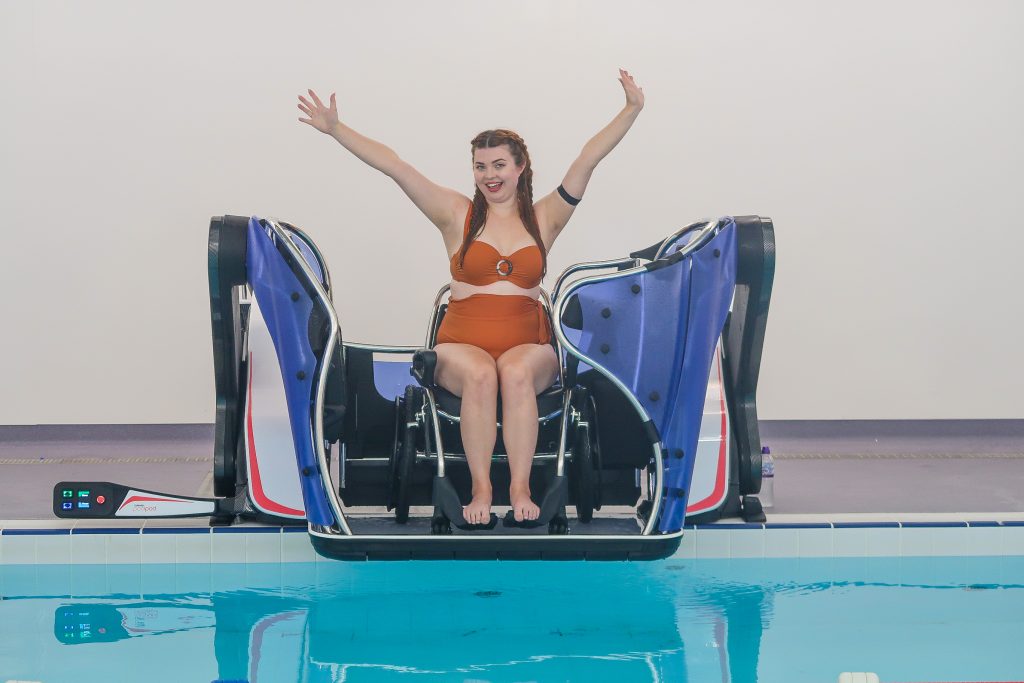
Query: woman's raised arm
<point x="443" y="206"/>
<point x="556" y="209"/>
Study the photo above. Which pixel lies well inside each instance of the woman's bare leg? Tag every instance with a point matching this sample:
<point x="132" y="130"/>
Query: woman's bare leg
<point x="523" y="372"/>
<point x="470" y="372"/>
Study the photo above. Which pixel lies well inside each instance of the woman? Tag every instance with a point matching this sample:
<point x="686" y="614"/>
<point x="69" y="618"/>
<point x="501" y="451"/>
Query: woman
<point x="494" y="336"/>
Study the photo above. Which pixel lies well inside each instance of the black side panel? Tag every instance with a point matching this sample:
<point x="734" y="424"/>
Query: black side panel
<point x="226" y="268"/>
<point x="354" y="548"/>
<point x="369" y="419"/>
<point x="744" y="340"/>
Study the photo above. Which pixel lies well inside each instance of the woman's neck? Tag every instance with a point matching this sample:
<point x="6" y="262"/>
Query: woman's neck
<point x="505" y="209"/>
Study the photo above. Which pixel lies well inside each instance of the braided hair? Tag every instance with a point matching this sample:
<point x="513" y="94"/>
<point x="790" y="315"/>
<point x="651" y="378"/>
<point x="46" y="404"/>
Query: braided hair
<point x="524" y="191"/>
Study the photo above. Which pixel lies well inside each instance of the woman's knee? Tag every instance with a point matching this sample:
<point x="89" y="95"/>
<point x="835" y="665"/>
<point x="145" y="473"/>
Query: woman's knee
<point x="480" y="378"/>
<point x="515" y="376"/>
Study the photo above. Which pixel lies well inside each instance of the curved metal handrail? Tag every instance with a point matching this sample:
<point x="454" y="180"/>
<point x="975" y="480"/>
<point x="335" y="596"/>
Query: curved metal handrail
<point x="710" y="227"/>
<point x="321" y="261"/>
<point x="589" y="265"/>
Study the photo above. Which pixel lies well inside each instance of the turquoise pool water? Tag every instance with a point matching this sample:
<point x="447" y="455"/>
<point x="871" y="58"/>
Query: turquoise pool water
<point x="785" y="620"/>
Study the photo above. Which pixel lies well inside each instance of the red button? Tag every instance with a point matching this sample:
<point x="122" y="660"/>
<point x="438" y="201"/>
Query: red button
<point x="101" y="499"/>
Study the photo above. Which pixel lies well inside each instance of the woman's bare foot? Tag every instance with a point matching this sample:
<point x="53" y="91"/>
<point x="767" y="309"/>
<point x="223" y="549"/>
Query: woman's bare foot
<point x="479" y="509"/>
<point x="523" y="506"/>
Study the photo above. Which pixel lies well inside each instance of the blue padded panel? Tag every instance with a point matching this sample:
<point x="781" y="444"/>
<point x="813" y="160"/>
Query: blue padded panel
<point x="659" y="342"/>
<point x="641" y="340"/>
<point x="273" y="283"/>
<point x="712" y="281"/>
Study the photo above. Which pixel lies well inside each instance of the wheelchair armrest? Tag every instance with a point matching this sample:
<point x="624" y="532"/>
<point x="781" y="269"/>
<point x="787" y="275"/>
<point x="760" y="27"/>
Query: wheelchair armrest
<point x="423" y="363"/>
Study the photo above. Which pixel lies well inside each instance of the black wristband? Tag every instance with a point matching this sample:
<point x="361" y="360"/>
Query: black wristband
<point x="569" y="199"/>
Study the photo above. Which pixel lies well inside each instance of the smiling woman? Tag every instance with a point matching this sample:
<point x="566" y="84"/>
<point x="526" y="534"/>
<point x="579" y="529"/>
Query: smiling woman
<point x="495" y="336"/>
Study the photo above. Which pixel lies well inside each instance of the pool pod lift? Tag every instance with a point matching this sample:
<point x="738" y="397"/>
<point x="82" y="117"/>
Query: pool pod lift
<point x="650" y="426"/>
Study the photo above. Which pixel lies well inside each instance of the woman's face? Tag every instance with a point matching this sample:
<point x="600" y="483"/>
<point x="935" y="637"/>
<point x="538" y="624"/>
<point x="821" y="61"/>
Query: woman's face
<point x="496" y="173"/>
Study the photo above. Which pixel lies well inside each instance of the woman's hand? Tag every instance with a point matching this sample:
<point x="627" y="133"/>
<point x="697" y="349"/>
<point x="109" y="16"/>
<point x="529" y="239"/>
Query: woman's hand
<point x="324" y="119"/>
<point x="634" y="93"/>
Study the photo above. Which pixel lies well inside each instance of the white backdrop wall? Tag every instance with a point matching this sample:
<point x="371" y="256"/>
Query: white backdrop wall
<point x="883" y="137"/>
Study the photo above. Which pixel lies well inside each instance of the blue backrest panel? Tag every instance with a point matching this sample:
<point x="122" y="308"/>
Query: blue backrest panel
<point x="273" y="283"/>
<point x="656" y="332"/>
<point x="638" y="336"/>
<point x="712" y="281"/>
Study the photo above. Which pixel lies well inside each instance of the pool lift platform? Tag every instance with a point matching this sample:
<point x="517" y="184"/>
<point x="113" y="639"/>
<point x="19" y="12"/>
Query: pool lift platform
<point x="652" y="424"/>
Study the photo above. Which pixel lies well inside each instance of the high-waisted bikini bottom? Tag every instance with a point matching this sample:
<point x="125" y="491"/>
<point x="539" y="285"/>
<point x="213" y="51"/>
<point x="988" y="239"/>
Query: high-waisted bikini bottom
<point x="495" y="322"/>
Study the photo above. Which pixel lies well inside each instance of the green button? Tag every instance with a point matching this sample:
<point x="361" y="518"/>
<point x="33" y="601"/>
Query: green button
<point x="68" y="494"/>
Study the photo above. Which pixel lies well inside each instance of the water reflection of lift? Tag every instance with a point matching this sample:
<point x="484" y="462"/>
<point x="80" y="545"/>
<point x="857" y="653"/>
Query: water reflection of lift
<point x="348" y="628"/>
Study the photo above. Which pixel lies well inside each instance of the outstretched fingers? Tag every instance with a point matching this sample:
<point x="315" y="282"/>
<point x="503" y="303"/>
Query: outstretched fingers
<point x="316" y="99"/>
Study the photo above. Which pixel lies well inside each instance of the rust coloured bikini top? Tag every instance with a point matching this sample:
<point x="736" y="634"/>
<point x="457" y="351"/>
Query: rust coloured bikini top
<point x="484" y="265"/>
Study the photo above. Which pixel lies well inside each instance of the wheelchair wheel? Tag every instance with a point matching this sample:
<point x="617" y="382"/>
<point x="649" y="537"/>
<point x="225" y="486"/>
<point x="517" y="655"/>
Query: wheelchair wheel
<point x="584" y="482"/>
<point x="405" y="458"/>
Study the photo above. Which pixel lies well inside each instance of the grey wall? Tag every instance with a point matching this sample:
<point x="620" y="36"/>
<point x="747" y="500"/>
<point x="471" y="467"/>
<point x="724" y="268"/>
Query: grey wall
<point x="884" y="139"/>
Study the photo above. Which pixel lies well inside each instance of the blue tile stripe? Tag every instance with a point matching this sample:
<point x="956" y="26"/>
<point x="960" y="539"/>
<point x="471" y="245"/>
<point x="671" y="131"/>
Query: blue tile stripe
<point x="87" y="530"/>
<point x="175" y="530"/>
<point x="35" y="532"/>
<point x="932" y="525"/>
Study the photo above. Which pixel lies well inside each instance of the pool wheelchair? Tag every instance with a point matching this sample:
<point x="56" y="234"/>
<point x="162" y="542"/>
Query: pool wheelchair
<point x="651" y="424"/>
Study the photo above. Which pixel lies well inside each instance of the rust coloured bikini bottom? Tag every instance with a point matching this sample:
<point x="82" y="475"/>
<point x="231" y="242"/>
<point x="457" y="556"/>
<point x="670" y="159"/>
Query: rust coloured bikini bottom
<point x="494" y="322"/>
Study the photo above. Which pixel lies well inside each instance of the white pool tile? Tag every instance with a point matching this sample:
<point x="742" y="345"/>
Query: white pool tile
<point x="124" y="548"/>
<point x="916" y="542"/>
<point x="228" y="548"/>
<point x="1013" y="540"/>
<point x="712" y="543"/>
<point x="884" y="542"/>
<point x="781" y="542"/>
<point x="263" y="547"/>
<point x="193" y="548"/>
<point x="849" y="542"/>
<point x="298" y="548"/>
<point x="982" y="541"/>
<point x="933" y="541"/>
<point x="815" y="542"/>
<point x="19" y="549"/>
<point x="158" y="549"/>
<point x="950" y="540"/>
<point x="746" y="543"/>
<point x="88" y="548"/>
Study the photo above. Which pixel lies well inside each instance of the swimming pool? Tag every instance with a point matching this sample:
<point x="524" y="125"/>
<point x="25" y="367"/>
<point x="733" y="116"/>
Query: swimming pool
<point x="683" y="619"/>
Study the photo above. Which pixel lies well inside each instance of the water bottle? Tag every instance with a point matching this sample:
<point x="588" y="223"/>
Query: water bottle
<point x="767" y="495"/>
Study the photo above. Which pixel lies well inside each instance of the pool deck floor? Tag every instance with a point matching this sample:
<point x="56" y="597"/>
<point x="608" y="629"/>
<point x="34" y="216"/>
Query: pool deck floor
<point x="828" y="471"/>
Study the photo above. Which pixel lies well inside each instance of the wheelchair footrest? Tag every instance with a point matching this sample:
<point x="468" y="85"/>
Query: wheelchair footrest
<point x="447" y="503"/>
<point x="551" y="505"/>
